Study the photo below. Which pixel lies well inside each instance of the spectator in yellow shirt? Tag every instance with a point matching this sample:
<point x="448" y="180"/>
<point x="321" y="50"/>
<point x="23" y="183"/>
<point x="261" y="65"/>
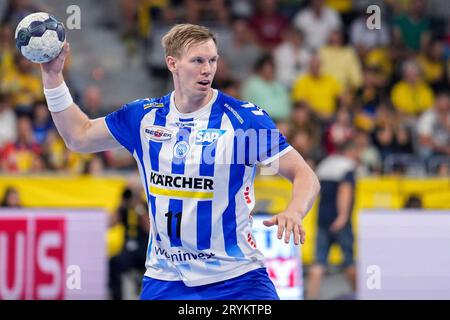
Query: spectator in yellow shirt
<point x="6" y="49"/>
<point x="341" y="61"/>
<point x="431" y="62"/>
<point x="319" y="91"/>
<point x="412" y="95"/>
<point x="23" y="86"/>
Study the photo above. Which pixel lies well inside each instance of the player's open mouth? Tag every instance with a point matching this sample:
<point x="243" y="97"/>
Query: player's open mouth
<point x="204" y="82"/>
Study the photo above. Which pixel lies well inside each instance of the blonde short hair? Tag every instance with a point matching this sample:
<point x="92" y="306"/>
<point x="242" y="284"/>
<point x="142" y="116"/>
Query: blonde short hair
<point x="181" y="36"/>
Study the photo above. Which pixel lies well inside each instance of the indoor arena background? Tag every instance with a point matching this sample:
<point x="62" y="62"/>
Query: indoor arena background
<point x="375" y="72"/>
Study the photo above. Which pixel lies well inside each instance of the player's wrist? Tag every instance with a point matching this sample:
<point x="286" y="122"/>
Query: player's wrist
<point x="58" y="98"/>
<point x="52" y="75"/>
<point x="51" y="79"/>
<point x="296" y="209"/>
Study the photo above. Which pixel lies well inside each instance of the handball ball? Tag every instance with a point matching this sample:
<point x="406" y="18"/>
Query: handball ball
<point x="40" y="37"/>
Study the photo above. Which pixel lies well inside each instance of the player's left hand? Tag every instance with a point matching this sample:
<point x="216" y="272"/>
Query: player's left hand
<point x="288" y="222"/>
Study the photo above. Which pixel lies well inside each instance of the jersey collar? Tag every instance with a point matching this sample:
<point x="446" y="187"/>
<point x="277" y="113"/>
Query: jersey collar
<point x="196" y="114"/>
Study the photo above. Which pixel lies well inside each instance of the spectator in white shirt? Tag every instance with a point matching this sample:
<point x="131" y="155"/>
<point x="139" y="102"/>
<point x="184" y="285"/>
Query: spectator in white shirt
<point x="241" y="52"/>
<point x="291" y="58"/>
<point x="364" y="38"/>
<point x="433" y="128"/>
<point x="316" y="22"/>
<point x="8" y="122"/>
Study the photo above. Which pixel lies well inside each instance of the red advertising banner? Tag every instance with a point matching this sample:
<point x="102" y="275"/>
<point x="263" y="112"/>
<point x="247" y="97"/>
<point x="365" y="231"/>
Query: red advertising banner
<point x="32" y="252"/>
<point x="41" y="252"/>
<point x="48" y="265"/>
<point x="13" y="258"/>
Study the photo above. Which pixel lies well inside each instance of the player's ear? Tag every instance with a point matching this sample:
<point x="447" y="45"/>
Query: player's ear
<point x="171" y="63"/>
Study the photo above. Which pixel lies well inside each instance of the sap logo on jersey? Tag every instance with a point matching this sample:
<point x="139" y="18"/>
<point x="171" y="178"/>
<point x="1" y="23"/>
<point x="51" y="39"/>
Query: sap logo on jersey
<point x="158" y="133"/>
<point x="208" y="136"/>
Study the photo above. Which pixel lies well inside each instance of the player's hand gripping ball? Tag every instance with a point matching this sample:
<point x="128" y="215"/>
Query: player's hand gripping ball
<point x="40" y="37"/>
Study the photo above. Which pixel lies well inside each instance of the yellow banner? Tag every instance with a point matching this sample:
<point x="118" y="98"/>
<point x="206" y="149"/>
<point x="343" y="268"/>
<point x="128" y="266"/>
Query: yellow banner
<point x="63" y="192"/>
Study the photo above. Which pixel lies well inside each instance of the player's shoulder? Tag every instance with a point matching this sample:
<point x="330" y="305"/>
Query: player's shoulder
<point x="139" y="108"/>
<point x="243" y="111"/>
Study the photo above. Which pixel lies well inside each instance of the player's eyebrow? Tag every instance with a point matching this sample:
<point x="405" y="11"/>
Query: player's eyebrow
<point x="202" y="57"/>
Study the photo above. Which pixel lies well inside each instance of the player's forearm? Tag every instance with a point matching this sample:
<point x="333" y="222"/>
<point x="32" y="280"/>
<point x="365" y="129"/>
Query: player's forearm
<point x="70" y="122"/>
<point x="305" y="189"/>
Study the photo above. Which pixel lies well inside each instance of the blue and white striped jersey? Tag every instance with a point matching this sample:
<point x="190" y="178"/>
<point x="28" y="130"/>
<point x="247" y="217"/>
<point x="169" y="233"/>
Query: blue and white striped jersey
<point x="197" y="170"/>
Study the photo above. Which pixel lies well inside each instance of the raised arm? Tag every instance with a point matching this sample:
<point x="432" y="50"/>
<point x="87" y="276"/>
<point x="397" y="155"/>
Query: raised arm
<point x="80" y="133"/>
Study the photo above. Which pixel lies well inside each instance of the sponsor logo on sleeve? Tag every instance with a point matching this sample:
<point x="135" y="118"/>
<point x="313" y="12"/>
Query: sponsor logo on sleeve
<point x="153" y="105"/>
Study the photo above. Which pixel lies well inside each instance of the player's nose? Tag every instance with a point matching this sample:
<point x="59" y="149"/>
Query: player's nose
<point x="206" y="69"/>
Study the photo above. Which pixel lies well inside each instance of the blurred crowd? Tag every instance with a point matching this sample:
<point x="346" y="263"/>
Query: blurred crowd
<point x="316" y="66"/>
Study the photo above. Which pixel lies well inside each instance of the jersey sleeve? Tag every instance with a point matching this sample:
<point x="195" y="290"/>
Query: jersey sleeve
<point x="270" y="143"/>
<point x="121" y="125"/>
